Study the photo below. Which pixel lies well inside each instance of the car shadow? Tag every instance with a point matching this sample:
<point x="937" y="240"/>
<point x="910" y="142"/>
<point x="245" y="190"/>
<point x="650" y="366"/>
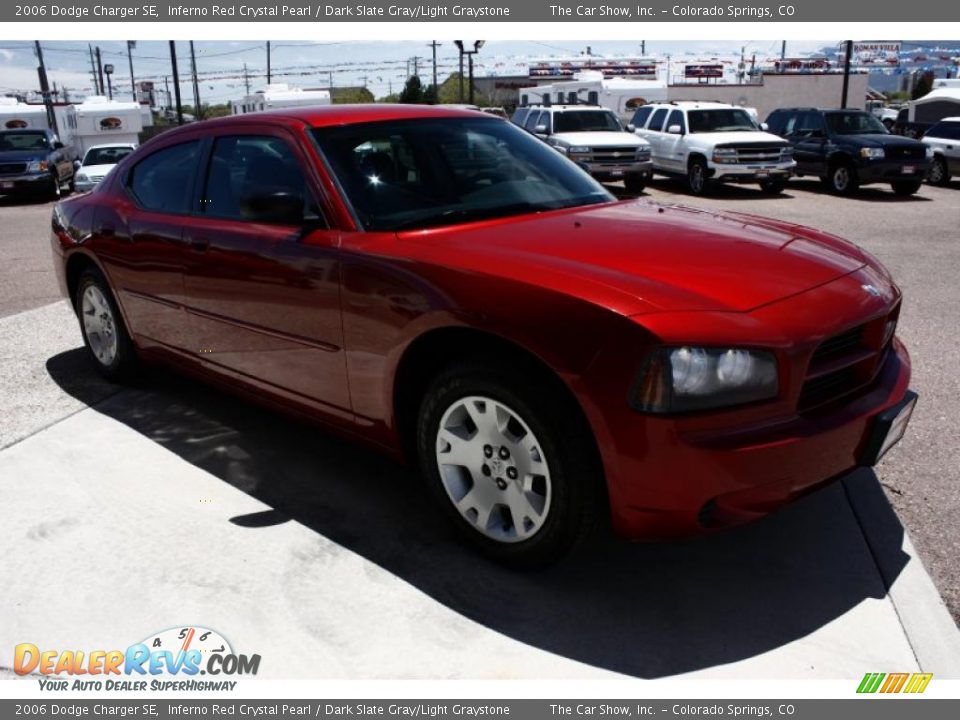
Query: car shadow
<point x="718" y="191"/>
<point x="643" y="609"/>
<point x="24" y="200"/>
<point x="878" y="193"/>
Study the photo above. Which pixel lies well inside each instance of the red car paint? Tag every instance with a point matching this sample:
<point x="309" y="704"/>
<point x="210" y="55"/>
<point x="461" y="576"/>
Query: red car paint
<point x="319" y="323"/>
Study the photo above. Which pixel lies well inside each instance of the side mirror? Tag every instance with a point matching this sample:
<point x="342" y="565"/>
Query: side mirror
<point x="764" y="127"/>
<point x="675" y="130"/>
<point x="274" y="207"/>
<point x="57" y="145"/>
<point x="540" y="130"/>
<point x="631" y="128"/>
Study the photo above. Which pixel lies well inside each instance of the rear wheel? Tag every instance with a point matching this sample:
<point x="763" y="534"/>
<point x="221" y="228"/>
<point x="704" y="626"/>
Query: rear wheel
<point x="773" y="186"/>
<point x="509" y="463"/>
<point x="906" y="187"/>
<point x="635" y="182"/>
<point x="939" y="174"/>
<point x="842" y="179"/>
<point x="102" y="326"/>
<point x="697" y="180"/>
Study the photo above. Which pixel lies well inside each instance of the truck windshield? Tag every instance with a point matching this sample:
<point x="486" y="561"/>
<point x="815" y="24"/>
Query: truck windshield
<point x="855" y="123"/>
<point x="106" y="156"/>
<point x="720" y="120"/>
<point x="23" y="141"/>
<point x="585" y="121"/>
<point x="427" y="172"/>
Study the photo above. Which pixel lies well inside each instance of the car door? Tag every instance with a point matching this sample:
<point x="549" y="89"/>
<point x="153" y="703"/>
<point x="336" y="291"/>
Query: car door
<point x="654" y="134"/>
<point x="262" y="293"/>
<point x="139" y="240"/>
<point x="809" y="143"/>
<point x="672" y="152"/>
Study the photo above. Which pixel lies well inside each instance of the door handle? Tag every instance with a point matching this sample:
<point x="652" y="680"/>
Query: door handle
<point x="199" y="244"/>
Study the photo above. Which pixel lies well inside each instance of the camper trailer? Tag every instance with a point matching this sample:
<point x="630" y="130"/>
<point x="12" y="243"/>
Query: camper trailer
<point x="622" y="95"/>
<point x="101" y="121"/>
<point x="15" y="115"/>
<point x="280" y="95"/>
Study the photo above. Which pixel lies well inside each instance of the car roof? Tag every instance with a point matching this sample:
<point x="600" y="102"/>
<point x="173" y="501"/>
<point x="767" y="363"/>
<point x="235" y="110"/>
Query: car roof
<point x="696" y="105"/>
<point x="950" y="119"/>
<point x="111" y="145"/>
<point x="822" y="110"/>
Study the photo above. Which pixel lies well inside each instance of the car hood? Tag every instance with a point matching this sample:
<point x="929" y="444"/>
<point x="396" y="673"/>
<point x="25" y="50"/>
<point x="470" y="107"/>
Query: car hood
<point x="96" y="170"/>
<point x="22" y="155"/>
<point x="638" y="256"/>
<point x="733" y="138"/>
<point x="599" y="139"/>
<point x="880" y="140"/>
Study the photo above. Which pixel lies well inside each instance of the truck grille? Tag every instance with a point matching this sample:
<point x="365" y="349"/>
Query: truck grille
<point x="905" y="153"/>
<point x="12" y="168"/>
<point x="847" y="362"/>
<point x="751" y="153"/>
<point x="611" y="155"/>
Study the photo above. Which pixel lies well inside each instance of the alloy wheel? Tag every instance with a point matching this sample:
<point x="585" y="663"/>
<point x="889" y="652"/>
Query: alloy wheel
<point x="99" y="325"/>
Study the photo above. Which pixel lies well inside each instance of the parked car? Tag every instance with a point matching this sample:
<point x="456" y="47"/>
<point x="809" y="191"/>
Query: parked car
<point x="593" y="138"/>
<point x="452" y="291"/>
<point x="35" y="162"/>
<point x="850" y="148"/>
<point x="943" y="139"/>
<point x="98" y="161"/>
<point x="707" y="142"/>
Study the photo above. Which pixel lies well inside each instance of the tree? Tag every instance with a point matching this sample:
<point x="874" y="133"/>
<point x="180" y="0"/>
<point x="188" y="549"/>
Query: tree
<point x="923" y="85"/>
<point x="351" y="96"/>
<point x="412" y="93"/>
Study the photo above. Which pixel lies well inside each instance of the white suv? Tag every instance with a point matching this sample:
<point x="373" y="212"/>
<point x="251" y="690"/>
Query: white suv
<point x="706" y="141"/>
<point x="593" y="138"/>
<point x="943" y="139"/>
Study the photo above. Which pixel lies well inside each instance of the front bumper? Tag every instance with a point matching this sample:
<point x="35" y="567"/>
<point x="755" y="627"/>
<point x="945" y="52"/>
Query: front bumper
<point x="27" y="184"/>
<point x="750" y="173"/>
<point x="889" y="171"/>
<point x="608" y="171"/>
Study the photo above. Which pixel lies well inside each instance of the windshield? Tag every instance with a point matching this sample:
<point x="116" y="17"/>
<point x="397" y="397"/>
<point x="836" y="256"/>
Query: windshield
<point x="23" y="141"/>
<point x="106" y="156"/>
<point x="720" y="120"/>
<point x="855" y="123"/>
<point x="408" y="174"/>
<point x="585" y="121"/>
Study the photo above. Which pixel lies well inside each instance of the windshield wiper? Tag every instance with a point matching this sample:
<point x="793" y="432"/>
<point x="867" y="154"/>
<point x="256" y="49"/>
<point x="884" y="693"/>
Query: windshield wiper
<point x="460" y="215"/>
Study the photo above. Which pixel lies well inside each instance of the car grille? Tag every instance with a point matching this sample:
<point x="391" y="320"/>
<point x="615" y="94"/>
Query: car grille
<point x="905" y="153"/>
<point x="847" y="362"/>
<point x="750" y="153"/>
<point x="12" y="168"/>
<point x="611" y="155"/>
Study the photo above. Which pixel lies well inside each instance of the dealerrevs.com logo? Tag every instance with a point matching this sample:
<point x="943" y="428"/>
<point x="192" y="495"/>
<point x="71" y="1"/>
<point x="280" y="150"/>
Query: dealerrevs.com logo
<point x="888" y="683"/>
<point x="173" y="659"/>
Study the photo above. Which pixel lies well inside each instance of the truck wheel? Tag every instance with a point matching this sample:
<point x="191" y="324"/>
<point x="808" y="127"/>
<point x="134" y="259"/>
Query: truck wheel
<point x="697" y="180"/>
<point x="101" y="324"/>
<point x="509" y="463"/>
<point x="906" y="187"/>
<point x="842" y="179"/>
<point x="774" y="186"/>
<point x="53" y="191"/>
<point x="939" y="174"/>
<point x="635" y="183"/>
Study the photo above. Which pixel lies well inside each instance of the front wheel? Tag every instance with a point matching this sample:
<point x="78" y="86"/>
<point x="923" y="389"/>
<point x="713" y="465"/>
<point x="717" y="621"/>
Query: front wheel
<point x="939" y="174"/>
<point x="697" y="177"/>
<point x="773" y="186"/>
<point x="906" y="187"/>
<point x="842" y="179"/>
<point x="53" y="187"/>
<point x="102" y="326"/>
<point x="509" y="463"/>
<point x="635" y="183"/>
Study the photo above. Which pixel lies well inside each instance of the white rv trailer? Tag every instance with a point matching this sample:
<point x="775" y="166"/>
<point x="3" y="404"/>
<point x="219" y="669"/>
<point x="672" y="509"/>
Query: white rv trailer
<point x="622" y="95"/>
<point x="101" y="121"/>
<point x="280" y="95"/>
<point x="15" y="115"/>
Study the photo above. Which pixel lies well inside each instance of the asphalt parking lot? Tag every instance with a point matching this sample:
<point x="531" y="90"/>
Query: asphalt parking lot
<point x="140" y="451"/>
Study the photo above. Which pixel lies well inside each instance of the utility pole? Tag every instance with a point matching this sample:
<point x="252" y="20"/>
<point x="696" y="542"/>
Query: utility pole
<point x="198" y="111"/>
<point x="246" y="79"/>
<point x="100" y="69"/>
<point x="783" y="50"/>
<point x="176" y="81"/>
<point x="131" y="44"/>
<point x="415" y="60"/>
<point x="330" y="75"/>
<point x="436" y="91"/>
<point x="166" y="85"/>
<point x="459" y="44"/>
<point x="93" y="71"/>
<point x="643" y="48"/>
<point x="846" y="73"/>
<point x="45" y="89"/>
<point x="268" y="62"/>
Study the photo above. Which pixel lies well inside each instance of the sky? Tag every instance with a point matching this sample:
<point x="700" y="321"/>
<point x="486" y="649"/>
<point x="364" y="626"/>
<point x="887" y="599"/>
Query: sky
<point x="381" y="66"/>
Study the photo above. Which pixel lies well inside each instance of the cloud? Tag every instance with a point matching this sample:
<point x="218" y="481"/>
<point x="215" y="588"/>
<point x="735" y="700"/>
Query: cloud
<point x="7" y="55"/>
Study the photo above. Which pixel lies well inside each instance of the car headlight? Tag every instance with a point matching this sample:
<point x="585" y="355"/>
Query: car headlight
<point x="786" y="153"/>
<point x="82" y="177"/>
<point x="578" y="149"/>
<point x="643" y="152"/>
<point x="37" y="166"/>
<point x="872" y="153"/>
<point x="684" y="379"/>
<point x="725" y="155"/>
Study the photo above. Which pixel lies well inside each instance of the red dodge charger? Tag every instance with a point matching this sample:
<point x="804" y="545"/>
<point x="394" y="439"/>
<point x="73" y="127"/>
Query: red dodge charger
<point x="444" y="286"/>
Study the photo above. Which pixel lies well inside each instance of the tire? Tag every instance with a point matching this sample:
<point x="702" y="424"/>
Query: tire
<point x="697" y="180"/>
<point x="774" y="186"/>
<point x="102" y="327"/>
<point x="906" y="187"/>
<point x="939" y="173"/>
<point x="842" y="179"/>
<point x="559" y="496"/>
<point x="53" y="191"/>
<point x="635" y="183"/>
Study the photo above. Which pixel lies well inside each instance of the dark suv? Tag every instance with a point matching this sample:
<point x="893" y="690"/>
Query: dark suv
<point x="849" y="148"/>
<point x="34" y="162"/>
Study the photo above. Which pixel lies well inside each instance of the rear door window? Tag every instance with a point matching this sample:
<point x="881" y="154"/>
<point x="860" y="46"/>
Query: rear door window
<point x="164" y="181"/>
<point x="676" y="118"/>
<point x="656" y="122"/>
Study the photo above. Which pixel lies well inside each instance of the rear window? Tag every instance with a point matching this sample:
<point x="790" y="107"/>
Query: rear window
<point x="163" y="181"/>
<point x="586" y="121"/>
